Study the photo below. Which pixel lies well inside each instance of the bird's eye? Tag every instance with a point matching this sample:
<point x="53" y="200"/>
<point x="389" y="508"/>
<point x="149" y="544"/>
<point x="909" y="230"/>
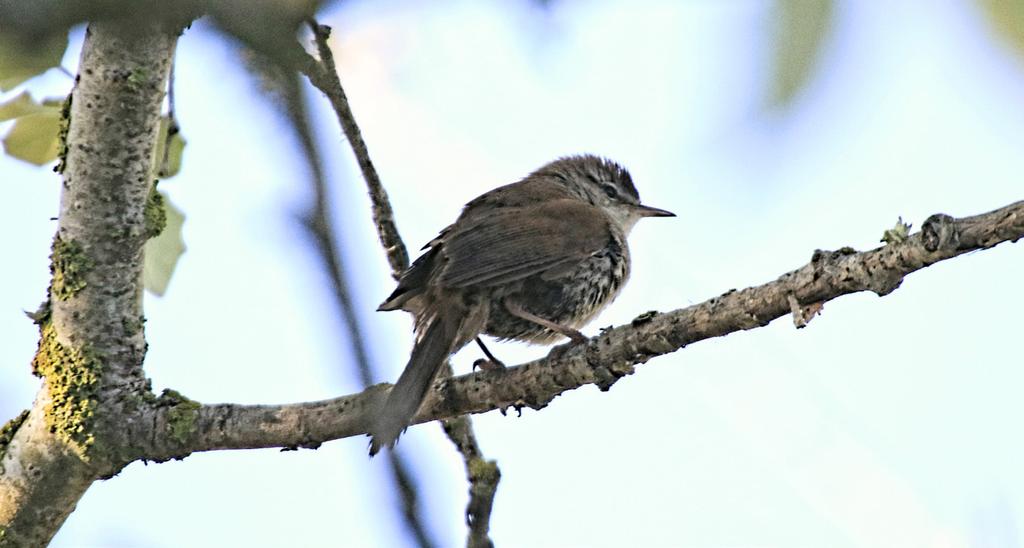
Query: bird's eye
<point x="611" y="191"/>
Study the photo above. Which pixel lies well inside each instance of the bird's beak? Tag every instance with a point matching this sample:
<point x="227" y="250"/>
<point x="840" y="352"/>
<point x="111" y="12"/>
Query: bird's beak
<point x="648" y="211"/>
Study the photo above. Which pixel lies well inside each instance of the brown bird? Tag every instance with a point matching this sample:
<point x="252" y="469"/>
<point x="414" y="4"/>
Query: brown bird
<point x="529" y="261"/>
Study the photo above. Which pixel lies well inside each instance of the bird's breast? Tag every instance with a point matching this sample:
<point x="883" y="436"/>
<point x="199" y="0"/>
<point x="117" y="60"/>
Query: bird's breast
<point x="570" y="299"/>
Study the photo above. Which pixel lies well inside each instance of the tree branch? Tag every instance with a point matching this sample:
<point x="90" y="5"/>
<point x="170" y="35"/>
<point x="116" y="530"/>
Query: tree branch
<point x="324" y="76"/>
<point x="92" y="343"/>
<point x="483" y="476"/>
<point x="614" y="353"/>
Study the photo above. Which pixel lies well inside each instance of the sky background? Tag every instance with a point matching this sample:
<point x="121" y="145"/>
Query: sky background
<point x="885" y="422"/>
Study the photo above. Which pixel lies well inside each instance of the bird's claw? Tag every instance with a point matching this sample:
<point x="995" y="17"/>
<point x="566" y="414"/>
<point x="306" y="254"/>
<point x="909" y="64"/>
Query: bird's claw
<point x="488" y="364"/>
<point x="576" y="338"/>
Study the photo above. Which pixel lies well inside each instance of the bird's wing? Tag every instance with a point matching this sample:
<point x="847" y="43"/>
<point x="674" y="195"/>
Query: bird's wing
<point x="514" y="243"/>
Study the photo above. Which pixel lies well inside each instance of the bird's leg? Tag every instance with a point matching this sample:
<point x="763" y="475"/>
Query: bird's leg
<point x="575" y="336"/>
<point x="491" y="363"/>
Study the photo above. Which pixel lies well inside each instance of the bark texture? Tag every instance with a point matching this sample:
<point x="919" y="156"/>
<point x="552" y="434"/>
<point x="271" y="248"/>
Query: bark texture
<point x="92" y="344"/>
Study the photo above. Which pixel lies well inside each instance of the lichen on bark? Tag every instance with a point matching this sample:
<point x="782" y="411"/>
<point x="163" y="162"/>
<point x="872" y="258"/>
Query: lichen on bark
<point x="8" y="430"/>
<point x="62" y="135"/>
<point x="484" y="470"/>
<point x="155" y="215"/>
<point x="182" y="415"/>
<point x="69" y="265"/>
<point x="72" y="379"/>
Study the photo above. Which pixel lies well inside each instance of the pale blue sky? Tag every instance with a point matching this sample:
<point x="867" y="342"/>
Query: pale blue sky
<point x="886" y="422"/>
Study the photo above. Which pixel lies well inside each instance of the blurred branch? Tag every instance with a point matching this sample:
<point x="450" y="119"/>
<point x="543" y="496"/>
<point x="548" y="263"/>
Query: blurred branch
<point x="324" y="75"/>
<point x="607" y="357"/>
<point x="249" y="20"/>
<point x="320" y="225"/>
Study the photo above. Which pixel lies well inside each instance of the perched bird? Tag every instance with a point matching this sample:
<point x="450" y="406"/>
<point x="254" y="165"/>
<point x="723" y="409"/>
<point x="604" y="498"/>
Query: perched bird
<point x="529" y="261"/>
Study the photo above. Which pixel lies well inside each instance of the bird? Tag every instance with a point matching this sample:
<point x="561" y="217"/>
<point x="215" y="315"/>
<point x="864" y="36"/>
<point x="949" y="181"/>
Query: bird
<point x="531" y="261"/>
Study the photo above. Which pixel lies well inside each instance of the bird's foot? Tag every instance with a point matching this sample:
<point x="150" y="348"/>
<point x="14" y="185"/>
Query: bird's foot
<point x="578" y="340"/>
<point x="488" y="364"/>
<point x="575" y="337"/>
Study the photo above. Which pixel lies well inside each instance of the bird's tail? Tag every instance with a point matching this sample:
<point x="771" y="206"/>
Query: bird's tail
<point x="430" y="351"/>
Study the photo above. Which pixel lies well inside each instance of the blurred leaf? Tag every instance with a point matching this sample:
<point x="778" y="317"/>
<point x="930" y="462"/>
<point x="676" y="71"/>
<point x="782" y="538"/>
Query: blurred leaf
<point x="1007" y="17"/>
<point x="800" y="30"/>
<point x="20" y="61"/>
<point x="163" y="251"/>
<point x="20" y="106"/>
<point x="175" y="145"/>
<point x="34" y="137"/>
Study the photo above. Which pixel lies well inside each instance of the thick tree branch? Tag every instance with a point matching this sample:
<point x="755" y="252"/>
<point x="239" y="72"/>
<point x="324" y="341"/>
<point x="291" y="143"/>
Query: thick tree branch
<point x="612" y="354"/>
<point x="92" y="344"/>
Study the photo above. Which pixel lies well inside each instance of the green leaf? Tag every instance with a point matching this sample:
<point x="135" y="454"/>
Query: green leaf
<point x="34" y="137"/>
<point x="163" y="251"/>
<point x="20" y="60"/>
<point x="169" y="166"/>
<point x="800" y="30"/>
<point x="1007" y="18"/>
<point x="20" y="106"/>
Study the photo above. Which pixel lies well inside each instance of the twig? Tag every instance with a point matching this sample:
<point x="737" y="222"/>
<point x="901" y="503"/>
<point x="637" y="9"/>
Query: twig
<point x="802" y="315"/>
<point x="483" y="476"/>
<point x="319" y="223"/>
<point x="324" y="76"/>
<point x="172" y="122"/>
<point x="482" y="486"/>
